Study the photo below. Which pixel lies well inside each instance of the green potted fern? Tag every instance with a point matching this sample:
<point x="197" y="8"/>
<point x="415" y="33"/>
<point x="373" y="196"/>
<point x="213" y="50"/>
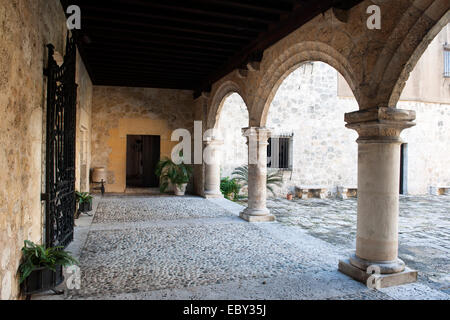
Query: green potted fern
<point x="84" y="200"/>
<point x="176" y="174"/>
<point x="41" y="268"/>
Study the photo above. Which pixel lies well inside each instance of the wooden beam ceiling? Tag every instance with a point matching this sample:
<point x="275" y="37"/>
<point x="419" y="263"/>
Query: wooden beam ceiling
<point x="184" y="44"/>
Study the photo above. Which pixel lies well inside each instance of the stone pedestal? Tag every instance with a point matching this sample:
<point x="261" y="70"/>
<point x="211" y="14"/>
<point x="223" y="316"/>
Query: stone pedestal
<point x="212" y="169"/>
<point x="257" y="140"/>
<point x="378" y="189"/>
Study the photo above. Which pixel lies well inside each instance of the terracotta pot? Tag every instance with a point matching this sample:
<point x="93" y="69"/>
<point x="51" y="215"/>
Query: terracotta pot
<point x="289" y="196"/>
<point x="180" y="190"/>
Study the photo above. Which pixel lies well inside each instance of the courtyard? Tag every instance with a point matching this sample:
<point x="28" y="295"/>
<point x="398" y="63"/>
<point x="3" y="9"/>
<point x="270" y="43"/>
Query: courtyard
<point x="165" y="247"/>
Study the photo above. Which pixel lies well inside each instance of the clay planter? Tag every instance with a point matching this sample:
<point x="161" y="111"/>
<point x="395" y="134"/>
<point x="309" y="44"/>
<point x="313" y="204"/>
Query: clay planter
<point x="42" y="279"/>
<point x="180" y="190"/>
<point x="289" y="196"/>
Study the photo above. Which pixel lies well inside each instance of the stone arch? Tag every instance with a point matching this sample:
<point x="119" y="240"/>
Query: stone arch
<point x="218" y="98"/>
<point x="419" y="49"/>
<point x="287" y="62"/>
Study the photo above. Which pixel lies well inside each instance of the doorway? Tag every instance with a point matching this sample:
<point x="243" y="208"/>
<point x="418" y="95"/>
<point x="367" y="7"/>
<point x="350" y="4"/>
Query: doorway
<point x="143" y="154"/>
<point x="404" y="169"/>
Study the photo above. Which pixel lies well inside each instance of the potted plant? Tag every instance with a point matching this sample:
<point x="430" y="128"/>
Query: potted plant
<point x="41" y="268"/>
<point x="176" y="174"/>
<point x="273" y="178"/>
<point x="289" y="196"/>
<point x="84" y="201"/>
<point x="230" y="188"/>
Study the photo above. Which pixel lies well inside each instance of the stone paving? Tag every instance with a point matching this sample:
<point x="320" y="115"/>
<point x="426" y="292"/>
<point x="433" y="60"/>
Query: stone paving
<point x="192" y="248"/>
<point x="424" y="229"/>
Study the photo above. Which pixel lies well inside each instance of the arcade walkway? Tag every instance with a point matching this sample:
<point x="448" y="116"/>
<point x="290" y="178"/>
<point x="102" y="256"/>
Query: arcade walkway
<point x="140" y="247"/>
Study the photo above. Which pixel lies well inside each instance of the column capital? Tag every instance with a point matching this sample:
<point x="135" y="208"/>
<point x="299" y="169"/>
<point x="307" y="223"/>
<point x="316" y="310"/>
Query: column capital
<point x="261" y="133"/>
<point x="214" y="141"/>
<point x="381" y="124"/>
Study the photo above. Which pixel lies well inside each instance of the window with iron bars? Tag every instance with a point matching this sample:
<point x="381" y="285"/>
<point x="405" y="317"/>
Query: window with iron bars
<point x="280" y="152"/>
<point x="447" y="62"/>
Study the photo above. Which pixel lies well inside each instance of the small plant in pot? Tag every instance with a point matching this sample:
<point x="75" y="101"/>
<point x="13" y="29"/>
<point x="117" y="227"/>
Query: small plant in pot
<point x="41" y="268"/>
<point x="176" y="174"/>
<point x="84" y="201"/>
<point x="230" y="189"/>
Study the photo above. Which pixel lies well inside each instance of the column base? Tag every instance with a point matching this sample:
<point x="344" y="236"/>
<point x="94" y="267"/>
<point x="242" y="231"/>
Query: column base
<point x="385" y="267"/>
<point x="385" y="280"/>
<point x="255" y="215"/>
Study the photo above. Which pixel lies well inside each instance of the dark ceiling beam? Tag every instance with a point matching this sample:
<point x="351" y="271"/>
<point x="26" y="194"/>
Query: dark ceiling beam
<point x="179" y="28"/>
<point x="279" y="7"/>
<point x="153" y="55"/>
<point x="166" y="43"/>
<point x="148" y="61"/>
<point x="158" y="17"/>
<point x="210" y="10"/>
<point x="168" y="70"/>
<point x="95" y="29"/>
<point x="152" y="65"/>
<point x="166" y="50"/>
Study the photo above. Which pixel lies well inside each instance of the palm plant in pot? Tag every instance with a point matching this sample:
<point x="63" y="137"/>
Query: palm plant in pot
<point x="41" y="268"/>
<point x="176" y="174"/>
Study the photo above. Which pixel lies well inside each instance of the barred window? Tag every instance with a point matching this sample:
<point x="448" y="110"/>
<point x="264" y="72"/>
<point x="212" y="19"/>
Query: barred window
<point x="447" y="62"/>
<point x="279" y="152"/>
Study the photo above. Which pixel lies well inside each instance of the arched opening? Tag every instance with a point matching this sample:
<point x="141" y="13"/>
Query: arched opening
<point x="310" y="143"/>
<point x="425" y="169"/>
<point x="232" y="118"/>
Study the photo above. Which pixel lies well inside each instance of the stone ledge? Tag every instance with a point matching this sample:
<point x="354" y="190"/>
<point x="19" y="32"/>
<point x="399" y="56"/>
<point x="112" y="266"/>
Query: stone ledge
<point x="213" y="196"/>
<point x="386" y="280"/>
<point x="250" y="218"/>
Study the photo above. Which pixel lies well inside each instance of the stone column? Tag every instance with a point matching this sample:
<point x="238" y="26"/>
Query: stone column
<point x="378" y="195"/>
<point x="212" y="168"/>
<point x="257" y="141"/>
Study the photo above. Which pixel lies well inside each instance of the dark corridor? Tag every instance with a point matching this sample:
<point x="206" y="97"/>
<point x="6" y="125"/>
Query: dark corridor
<point x="143" y="154"/>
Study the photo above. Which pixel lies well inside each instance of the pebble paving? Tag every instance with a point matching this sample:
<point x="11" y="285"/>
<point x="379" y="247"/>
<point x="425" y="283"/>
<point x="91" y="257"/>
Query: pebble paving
<point x="192" y="248"/>
<point x="424" y="229"/>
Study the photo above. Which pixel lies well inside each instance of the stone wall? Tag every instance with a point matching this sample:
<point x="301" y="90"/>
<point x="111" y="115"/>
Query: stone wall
<point x="26" y="27"/>
<point x="118" y="112"/>
<point x="324" y="150"/>
<point x="233" y="118"/>
<point x="428" y="146"/>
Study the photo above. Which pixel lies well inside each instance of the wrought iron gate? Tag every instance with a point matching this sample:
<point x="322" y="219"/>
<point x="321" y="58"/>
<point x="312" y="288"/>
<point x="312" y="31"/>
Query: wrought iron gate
<point x="60" y="147"/>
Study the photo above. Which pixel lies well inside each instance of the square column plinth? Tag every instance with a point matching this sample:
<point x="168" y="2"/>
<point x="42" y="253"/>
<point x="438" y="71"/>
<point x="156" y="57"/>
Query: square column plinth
<point x="385" y="280"/>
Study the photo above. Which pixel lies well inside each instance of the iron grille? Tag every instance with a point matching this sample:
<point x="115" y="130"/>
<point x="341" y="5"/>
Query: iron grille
<point x="60" y="146"/>
<point x="447" y="62"/>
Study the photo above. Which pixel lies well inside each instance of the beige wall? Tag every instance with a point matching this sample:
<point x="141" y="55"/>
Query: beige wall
<point x="426" y="82"/>
<point x="118" y="112"/>
<point x="26" y="27"/>
<point x="83" y="143"/>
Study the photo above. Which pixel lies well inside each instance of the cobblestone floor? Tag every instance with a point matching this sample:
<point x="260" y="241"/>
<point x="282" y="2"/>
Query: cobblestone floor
<point x="424" y="229"/>
<point x="192" y="248"/>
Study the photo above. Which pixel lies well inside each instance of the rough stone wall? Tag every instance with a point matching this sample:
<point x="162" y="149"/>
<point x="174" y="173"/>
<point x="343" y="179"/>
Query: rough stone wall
<point x="233" y="118"/>
<point x="118" y="112"/>
<point x="26" y="27"/>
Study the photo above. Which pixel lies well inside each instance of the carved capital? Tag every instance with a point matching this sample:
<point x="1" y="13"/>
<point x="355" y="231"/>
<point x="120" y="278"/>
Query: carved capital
<point x="261" y="134"/>
<point x="380" y="125"/>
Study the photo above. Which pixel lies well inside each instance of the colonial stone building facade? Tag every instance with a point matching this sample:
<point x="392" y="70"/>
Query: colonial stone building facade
<point x="375" y="63"/>
<point x="310" y="105"/>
